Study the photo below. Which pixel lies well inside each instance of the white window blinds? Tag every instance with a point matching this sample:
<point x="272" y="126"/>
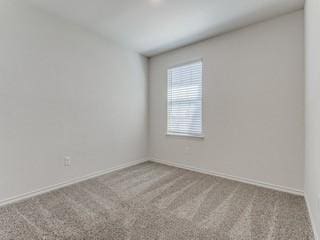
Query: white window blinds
<point x="185" y="100"/>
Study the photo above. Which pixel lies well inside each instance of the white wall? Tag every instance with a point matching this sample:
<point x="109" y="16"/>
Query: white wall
<point x="253" y="104"/>
<point x="64" y="92"/>
<point x="312" y="174"/>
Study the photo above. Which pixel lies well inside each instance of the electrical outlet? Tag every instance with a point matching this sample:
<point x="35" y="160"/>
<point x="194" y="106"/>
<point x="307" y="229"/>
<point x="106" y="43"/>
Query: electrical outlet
<point x="67" y="161"/>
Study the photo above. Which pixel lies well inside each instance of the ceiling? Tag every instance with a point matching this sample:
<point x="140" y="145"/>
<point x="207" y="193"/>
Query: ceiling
<point x="151" y="27"/>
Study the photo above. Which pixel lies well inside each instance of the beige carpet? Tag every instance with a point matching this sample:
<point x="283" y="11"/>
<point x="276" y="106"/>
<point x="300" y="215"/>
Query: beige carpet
<point x="153" y="201"/>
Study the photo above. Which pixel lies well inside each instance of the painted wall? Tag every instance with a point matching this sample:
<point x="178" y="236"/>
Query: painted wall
<point x="312" y="174"/>
<point x="253" y="104"/>
<point x="64" y="92"/>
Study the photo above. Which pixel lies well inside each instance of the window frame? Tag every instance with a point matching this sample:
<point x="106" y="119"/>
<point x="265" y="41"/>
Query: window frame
<point x="176" y="134"/>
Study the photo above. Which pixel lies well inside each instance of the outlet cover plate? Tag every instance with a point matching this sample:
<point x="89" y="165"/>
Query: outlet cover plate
<point x="67" y="161"/>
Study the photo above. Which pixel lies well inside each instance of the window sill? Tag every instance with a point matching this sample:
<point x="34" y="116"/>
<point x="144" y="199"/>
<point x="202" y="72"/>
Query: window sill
<point x="184" y="135"/>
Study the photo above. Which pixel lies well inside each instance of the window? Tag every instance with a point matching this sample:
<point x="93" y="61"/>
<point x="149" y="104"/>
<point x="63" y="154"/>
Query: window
<point x="185" y="100"/>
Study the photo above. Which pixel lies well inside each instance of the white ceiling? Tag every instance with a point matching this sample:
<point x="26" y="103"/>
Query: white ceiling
<point x="154" y="26"/>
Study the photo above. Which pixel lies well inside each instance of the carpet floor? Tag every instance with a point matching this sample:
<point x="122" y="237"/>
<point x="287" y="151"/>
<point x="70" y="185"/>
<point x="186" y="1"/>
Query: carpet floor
<point x="154" y="201"/>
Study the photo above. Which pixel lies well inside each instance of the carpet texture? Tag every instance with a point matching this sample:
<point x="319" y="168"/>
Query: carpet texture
<point x="154" y="201"/>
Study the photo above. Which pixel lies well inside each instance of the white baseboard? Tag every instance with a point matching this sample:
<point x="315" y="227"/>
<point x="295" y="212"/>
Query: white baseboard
<point x="67" y="183"/>
<point x="238" y="179"/>
<point x="313" y="224"/>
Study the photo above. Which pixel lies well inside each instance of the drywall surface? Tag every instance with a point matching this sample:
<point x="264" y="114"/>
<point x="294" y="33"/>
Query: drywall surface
<point x="312" y="174"/>
<point x="64" y="93"/>
<point x="253" y="106"/>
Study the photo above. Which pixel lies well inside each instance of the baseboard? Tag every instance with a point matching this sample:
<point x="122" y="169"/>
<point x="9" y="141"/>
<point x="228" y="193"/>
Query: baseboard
<point x="313" y="224"/>
<point x="235" y="178"/>
<point x="68" y="183"/>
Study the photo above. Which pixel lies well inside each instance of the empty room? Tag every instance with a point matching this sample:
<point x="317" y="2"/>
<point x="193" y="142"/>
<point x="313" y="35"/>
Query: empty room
<point x="159" y="119"/>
